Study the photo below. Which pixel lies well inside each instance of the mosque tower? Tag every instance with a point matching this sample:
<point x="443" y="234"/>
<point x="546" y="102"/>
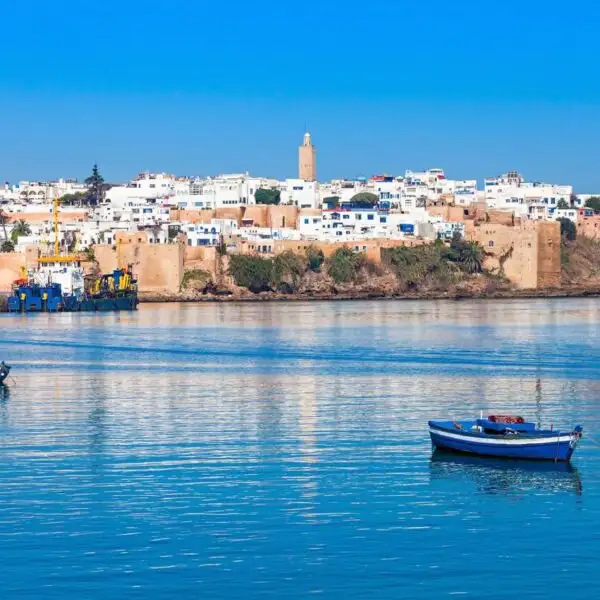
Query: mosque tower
<point x="307" y="160"/>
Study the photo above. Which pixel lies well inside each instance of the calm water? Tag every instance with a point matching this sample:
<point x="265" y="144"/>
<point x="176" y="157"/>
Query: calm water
<point x="280" y="450"/>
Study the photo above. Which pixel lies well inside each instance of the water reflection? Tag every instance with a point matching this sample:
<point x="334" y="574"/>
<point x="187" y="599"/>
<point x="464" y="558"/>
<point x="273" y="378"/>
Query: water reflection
<point x="501" y="476"/>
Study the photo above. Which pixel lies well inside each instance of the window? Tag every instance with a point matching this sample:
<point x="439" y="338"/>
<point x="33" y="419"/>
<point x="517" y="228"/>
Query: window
<point x="306" y="221"/>
<point x="383" y="219"/>
<point x="346" y="217"/>
<point x="152" y="185"/>
<point x="491" y="244"/>
<point x="370" y="217"/>
<point x="359" y="217"/>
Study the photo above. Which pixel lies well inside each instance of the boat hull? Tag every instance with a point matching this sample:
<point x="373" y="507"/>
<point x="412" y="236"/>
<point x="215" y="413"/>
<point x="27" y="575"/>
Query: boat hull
<point x="558" y="448"/>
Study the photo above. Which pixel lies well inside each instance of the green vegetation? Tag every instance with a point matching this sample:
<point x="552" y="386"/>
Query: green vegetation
<point x="89" y="254"/>
<point x="435" y="265"/>
<point x="287" y="272"/>
<point x="76" y="199"/>
<point x="593" y="203"/>
<point x="315" y="258"/>
<point x="252" y="272"/>
<point x="469" y="256"/>
<point x="568" y="230"/>
<point x="266" y="196"/>
<point x="366" y="199"/>
<point x="173" y="231"/>
<point x="7" y="246"/>
<point x="331" y="201"/>
<point x="95" y="183"/>
<point x="344" y="265"/>
<point x="562" y="204"/>
<point x="21" y="227"/>
<point x="195" y="278"/>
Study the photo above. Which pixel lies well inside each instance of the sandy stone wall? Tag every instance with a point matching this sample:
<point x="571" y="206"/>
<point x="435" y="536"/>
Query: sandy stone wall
<point x="527" y="254"/>
<point x="158" y="267"/>
<point x="589" y="226"/>
<point x="11" y="263"/>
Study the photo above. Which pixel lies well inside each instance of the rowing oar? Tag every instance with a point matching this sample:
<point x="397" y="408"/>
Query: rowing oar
<point x="13" y="379"/>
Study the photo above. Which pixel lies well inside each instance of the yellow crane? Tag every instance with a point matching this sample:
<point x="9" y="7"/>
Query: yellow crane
<point x="57" y="257"/>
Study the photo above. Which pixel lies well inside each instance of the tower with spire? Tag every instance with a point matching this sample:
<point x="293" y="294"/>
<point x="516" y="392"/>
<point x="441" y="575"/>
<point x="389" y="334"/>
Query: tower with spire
<point x="307" y="160"/>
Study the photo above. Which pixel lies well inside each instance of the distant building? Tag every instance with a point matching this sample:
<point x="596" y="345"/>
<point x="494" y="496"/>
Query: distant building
<point x="307" y="160"/>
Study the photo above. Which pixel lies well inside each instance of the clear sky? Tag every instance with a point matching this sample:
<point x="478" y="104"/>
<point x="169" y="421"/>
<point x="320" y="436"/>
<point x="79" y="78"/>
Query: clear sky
<point x="477" y="87"/>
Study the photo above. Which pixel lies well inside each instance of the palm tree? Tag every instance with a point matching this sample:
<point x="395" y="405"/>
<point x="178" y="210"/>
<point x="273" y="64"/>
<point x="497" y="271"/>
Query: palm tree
<point x="21" y="227"/>
<point x="471" y="257"/>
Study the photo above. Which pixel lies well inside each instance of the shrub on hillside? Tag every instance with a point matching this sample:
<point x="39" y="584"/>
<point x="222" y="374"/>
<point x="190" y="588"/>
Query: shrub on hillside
<point x="427" y="265"/>
<point x="315" y="258"/>
<point x="343" y="265"/>
<point x="195" y="279"/>
<point x="287" y="272"/>
<point x="252" y="272"/>
<point x="568" y="230"/>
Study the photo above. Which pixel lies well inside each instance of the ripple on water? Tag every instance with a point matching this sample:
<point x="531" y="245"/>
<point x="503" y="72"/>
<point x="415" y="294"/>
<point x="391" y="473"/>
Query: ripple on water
<point x="280" y="450"/>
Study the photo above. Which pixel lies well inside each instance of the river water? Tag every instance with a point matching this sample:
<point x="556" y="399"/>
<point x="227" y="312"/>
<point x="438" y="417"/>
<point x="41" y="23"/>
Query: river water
<point x="280" y="450"/>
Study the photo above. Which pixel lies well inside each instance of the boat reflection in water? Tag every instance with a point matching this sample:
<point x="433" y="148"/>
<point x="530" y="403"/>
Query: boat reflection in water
<point x="504" y="476"/>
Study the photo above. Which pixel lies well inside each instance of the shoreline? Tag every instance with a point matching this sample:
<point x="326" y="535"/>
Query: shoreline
<point x="156" y="298"/>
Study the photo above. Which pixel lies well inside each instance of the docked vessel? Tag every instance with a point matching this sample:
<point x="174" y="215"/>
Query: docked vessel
<point x="58" y="284"/>
<point x="504" y="437"/>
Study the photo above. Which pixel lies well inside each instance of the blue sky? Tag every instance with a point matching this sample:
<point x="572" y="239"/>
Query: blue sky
<point x="196" y="87"/>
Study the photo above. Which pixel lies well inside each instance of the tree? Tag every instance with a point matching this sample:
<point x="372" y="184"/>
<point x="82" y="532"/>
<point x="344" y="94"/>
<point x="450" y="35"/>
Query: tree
<point x="365" y="199"/>
<point x="287" y="273"/>
<point x="265" y="196"/>
<point x="331" y="201"/>
<point x="562" y="204"/>
<point x="567" y="229"/>
<point x="72" y="199"/>
<point x="315" y="258"/>
<point x="7" y="246"/>
<point x="593" y="202"/>
<point x="343" y="265"/>
<point x="95" y="183"/>
<point x="470" y="257"/>
<point x="252" y="272"/>
<point x="21" y="227"/>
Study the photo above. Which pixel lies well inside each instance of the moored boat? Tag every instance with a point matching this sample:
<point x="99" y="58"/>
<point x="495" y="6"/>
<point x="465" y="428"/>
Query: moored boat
<point x="4" y="371"/>
<point x="504" y="437"/>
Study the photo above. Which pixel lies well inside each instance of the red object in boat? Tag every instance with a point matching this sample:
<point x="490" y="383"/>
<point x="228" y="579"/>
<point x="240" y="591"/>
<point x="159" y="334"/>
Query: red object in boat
<point x="506" y="419"/>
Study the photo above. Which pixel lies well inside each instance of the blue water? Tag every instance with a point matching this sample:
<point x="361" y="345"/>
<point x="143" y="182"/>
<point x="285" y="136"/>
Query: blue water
<point x="280" y="450"/>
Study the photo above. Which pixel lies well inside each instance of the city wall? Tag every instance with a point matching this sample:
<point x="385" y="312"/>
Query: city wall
<point x="528" y="254"/>
<point x="157" y="267"/>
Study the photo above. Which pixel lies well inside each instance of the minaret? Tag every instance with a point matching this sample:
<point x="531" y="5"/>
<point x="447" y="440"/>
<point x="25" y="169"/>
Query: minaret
<point x="307" y="160"/>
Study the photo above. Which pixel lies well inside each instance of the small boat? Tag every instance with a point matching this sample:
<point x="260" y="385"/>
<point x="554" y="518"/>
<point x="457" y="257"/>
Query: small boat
<point x="4" y="371"/>
<point x="504" y="436"/>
